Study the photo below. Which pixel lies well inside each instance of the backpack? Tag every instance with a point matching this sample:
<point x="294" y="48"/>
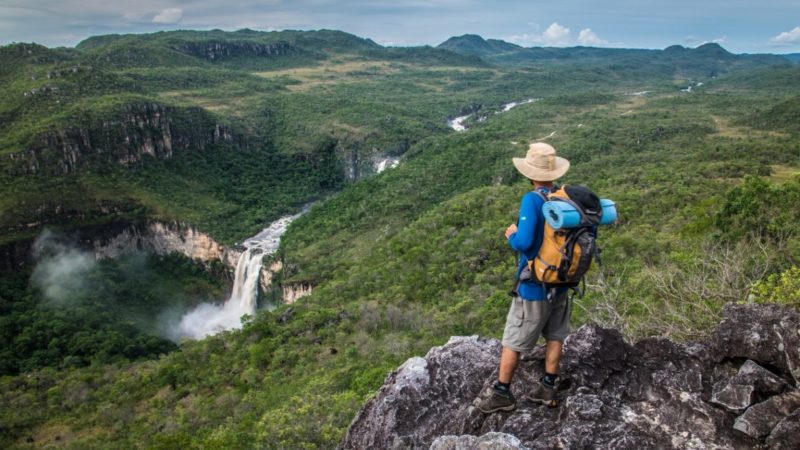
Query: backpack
<point x="566" y="254"/>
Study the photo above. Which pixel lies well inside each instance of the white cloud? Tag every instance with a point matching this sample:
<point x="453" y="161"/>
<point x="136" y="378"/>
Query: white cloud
<point x="589" y="37"/>
<point x="556" y="34"/>
<point x="169" y="15"/>
<point x="786" y="38"/>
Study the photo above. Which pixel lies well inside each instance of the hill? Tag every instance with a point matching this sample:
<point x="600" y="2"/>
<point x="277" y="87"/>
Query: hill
<point x="704" y="61"/>
<point x="243" y="48"/>
<point x="472" y="44"/>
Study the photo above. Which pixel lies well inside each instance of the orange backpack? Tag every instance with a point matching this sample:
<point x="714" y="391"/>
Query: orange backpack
<point x="566" y="254"/>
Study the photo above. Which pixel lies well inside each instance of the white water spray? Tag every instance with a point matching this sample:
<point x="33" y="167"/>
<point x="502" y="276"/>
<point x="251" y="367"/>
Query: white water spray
<point x="508" y="106"/>
<point x="386" y="163"/>
<point x="209" y="318"/>
<point x="459" y="123"/>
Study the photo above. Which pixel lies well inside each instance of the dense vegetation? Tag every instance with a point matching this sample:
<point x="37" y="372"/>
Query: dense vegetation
<point x="707" y="187"/>
<point x="98" y="313"/>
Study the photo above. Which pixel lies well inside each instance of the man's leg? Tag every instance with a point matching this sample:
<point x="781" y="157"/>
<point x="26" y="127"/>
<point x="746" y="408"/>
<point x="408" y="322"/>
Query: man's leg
<point x="517" y="336"/>
<point x="498" y="397"/>
<point x="555" y="331"/>
<point x="552" y="357"/>
<point x="508" y="364"/>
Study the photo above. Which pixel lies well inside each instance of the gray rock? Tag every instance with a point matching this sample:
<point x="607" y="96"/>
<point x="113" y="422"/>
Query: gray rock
<point x="733" y="395"/>
<point x="432" y="392"/>
<point x="489" y="441"/>
<point x="739" y="392"/>
<point x="765" y="382"/>
<point x="786" y="434"/>
<point x="760" y="419"/>
<point x="654" y="394"/>
<point x="771" y="336"/>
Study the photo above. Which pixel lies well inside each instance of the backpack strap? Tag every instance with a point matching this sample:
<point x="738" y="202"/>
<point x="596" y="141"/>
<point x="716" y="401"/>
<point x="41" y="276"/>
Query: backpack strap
<point x="541" y="195"/>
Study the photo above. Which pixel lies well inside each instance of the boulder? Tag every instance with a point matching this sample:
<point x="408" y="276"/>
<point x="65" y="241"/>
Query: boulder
<point x="489" y="441"/>
<point x="763" y="333"/>
<point x="786" y="434"/>
<point x="740" y="391"/>
<point x="759" y="420"/>
<point x="418" y="401"/>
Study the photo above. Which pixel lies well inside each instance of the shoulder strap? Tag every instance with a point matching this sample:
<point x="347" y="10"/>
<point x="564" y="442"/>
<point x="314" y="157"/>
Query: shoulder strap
<point x="541" y="195"/>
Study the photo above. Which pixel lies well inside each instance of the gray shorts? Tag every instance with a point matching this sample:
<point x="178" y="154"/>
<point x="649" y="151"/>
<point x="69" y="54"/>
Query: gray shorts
<point x="528" y="319"/>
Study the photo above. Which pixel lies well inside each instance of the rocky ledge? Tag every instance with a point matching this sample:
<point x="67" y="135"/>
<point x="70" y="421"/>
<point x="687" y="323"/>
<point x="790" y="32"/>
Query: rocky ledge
<point x="737" y="389"/>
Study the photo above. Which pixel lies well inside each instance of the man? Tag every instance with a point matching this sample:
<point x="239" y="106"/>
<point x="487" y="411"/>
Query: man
<point x="535" y="310"/>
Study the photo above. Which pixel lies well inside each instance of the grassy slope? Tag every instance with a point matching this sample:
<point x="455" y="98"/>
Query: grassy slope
<point x="410" y="257"/>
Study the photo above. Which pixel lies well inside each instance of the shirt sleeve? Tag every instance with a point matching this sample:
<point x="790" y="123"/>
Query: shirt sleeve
<point x="522" y="240"/>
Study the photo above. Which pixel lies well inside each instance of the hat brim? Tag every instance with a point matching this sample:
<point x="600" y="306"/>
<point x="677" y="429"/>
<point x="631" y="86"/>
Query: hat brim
<point x="537" y="174"/>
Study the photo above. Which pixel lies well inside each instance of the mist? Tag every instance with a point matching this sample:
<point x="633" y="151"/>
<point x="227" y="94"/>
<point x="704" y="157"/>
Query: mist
<point x="208" y="319"/>
<point x="60" y="271"/>
<point x="69" y="277"/>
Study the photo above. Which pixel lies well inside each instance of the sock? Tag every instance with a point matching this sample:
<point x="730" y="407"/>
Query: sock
<point x="549" y="379"/>
<point x="502" y="387"/>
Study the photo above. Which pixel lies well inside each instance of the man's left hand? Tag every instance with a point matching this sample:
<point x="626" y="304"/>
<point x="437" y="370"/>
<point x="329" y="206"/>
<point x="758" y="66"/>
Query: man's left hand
<point x="511" y="230"/>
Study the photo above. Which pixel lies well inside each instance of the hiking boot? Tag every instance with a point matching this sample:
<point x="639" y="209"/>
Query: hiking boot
<point x="491" y="400"/>
<point x="542" y="393"/>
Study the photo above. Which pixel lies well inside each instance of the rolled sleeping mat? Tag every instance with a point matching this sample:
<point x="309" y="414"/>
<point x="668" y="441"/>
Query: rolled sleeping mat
<point x="609" y="211"/>
<point x="563" y="215"/>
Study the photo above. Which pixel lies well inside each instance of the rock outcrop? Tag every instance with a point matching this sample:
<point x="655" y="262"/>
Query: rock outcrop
<point x="295" y="291"/>
<point x="737" y="389"/>
<point x="131" y="133"/>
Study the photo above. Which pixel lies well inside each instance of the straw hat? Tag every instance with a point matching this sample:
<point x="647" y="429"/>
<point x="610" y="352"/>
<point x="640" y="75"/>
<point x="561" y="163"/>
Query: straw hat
<point x="541" y="163"/>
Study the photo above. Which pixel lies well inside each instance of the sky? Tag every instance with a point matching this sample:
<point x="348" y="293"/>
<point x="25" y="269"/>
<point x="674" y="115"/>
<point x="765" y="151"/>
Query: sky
<point x="755" y="26"/>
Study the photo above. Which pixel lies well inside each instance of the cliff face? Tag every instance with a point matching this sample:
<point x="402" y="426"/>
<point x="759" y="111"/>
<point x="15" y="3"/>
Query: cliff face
<point x="738" y="389"/>
<point x="216" y="50"/>
<point x="289" y="292"/>
<point x="141" y="129"/>
<point x="293" y="292"/>
<point x="162" y="238"/>
<point x="159" y="238"/>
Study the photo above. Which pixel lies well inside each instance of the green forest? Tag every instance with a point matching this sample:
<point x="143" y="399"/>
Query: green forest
<point x="153" y="127"/>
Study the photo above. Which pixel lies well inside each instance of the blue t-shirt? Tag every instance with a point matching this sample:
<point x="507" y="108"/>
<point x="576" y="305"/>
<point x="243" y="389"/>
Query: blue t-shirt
<point x="528" y="239"/>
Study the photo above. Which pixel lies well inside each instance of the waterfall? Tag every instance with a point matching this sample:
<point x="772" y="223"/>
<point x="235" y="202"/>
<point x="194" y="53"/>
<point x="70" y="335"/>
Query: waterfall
<point x="245" y="285"/>
<point x="210" y="318"/>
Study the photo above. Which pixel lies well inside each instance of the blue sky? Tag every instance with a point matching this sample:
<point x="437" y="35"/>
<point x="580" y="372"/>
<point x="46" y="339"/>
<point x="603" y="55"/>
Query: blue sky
<point x="741" y="26"/>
